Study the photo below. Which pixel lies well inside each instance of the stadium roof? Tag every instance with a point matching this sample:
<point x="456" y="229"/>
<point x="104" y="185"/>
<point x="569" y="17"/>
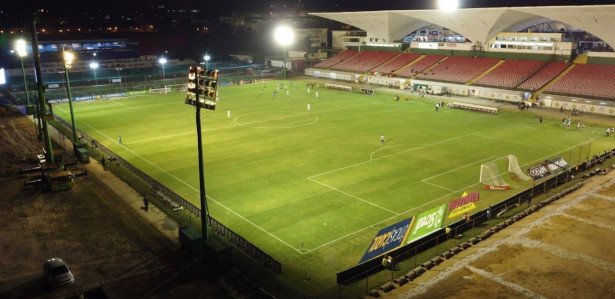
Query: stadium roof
<point x="480" y="24"/>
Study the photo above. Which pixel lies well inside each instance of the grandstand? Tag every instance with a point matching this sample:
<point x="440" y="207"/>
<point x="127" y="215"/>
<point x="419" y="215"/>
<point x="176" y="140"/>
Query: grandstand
<point x="364" y="61"/>
<point x="544" y="76"/>
<point x="587" y="80"/>
<point x="396" y="63"/>
<point x="419" y="65"/>
<point x="458" y="69"/>
<point x="511" y="73"/>
<point x="336" y="59"/>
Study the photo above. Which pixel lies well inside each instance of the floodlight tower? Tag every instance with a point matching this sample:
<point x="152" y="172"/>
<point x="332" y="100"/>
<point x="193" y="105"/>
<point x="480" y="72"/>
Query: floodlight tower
<point x="69" y="57"/>
<point x="284" y="36"/>
<point x="206" y="58"/>
<point x="20" y="49"/>
<point x="202" y="93"/>
<point x="94" y="65"/>
<point x="162" y="62"/>
<point x="448" y="5"/>
<point x="42" y="113"/>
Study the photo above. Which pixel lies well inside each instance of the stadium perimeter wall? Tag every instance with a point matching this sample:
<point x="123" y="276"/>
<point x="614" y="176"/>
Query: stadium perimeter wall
<point x="604" y="107"/>
<point x="487" y="54"/>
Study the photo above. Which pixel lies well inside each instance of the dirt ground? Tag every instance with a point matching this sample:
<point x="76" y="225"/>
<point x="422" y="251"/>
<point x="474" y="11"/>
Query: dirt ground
<point x="565" y="250"/>
<point x="102" y="239"/>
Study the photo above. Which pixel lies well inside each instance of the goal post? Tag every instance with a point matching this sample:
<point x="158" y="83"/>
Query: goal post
<point x="490" y="175"/>
<point x="513" y="166"/>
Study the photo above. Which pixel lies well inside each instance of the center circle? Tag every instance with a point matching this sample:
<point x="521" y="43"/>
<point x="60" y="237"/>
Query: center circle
<point x="275" y="119"/>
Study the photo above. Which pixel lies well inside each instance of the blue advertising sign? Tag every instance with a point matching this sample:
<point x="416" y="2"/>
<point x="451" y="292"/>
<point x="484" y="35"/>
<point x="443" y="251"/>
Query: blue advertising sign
<point x="387" y="239"/>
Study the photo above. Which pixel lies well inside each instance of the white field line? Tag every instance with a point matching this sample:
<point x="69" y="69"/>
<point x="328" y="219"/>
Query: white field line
<point x="513" y="142"/>
<point x="435" y="185"/>
<point x="238" y="125"/>
<point x="371" y="156"/>
<point x="417" y="207"/>
<point x="386" y="156"/>
<point x="118" y="103"/>
<point x="195" y="189"/>
<point x="460" y="167"/>
<point x="513" y="286"/>
<point x="513" y="239"/>
<point x="590" y="222"/>
<point x="600" y="196"/>
<point x="355" y="197"/>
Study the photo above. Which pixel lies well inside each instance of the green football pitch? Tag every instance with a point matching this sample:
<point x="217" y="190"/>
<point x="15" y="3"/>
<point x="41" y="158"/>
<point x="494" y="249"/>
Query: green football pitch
<point x="311" y="188"/>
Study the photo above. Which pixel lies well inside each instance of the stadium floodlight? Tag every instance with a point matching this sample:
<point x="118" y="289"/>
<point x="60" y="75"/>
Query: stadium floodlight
<point x="69" y="57"/>
<point x="20" y="49"/>
<point x="94" y="66"/>
<point x="162" y="62"/>
<point x="202" y="93"/>
<point x="448" y="5"/>
<point x="284" y="36"/>
<point x="206" y="58"/>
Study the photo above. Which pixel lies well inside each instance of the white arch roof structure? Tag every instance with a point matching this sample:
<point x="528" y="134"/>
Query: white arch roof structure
<point x="480" y="24"/>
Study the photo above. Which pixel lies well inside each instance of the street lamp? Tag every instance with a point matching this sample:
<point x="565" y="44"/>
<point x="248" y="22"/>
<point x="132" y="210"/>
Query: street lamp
<point x="284" y="36"/>
<point x="206" y="58"/>
<point x="20" y="49"/>
<point x="94" y="65"/>
<point x="162" y="62"/>
<point x="69" y="57"/>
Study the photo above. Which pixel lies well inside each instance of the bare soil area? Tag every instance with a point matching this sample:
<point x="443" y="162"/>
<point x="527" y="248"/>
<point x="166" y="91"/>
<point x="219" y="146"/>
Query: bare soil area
<point x="103" y="241"/>
<point x="565" y="250"/>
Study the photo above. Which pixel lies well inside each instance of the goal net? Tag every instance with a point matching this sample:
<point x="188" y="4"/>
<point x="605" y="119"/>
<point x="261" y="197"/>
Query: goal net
<point x="163" y="90"/>
<point x="177" y="87"/>
<point x="513" y="166"/>
<point x="490" y="175"/>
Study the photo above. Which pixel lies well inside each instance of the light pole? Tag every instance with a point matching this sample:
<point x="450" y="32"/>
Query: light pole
<point x="206" y="58"/>
<point x="162" y="62"/>
<point x="284" y="36"/>
<point x="20" y="49"/>
<point x="68" y="60"/>
<point x="94" y="65"/>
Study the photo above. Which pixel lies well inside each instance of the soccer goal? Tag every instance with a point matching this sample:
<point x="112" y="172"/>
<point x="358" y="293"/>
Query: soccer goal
<point x="513" y="166"/>
<point x="163" y="90"/>
<point x="490" y="175"/>
<point x="177" y="87"/>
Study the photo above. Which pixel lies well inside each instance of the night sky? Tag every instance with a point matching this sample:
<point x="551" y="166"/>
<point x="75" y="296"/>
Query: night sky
<point x="224" y="7"/>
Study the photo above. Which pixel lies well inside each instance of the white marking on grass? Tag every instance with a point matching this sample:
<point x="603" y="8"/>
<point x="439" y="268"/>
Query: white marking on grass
<point x="371" y="157"/>
<point x="590" y="222"/>
<point x="193" y="188"/>
<point x="315" y="119"/>
<point x="355" y="197"/>
<point x="391" y="155"/>
<point x="460" y="167"/>
<point x="513" y="286"/>
<point x="513" y="142"/>
<point x="118" y="103"/>
<point x="436" y="185"/>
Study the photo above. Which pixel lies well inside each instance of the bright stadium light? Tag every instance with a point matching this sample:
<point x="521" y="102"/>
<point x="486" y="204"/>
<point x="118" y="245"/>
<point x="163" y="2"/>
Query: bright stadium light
<point x="162" y="62"/>
<point x="68" y="58"/>
<point x="448" y="5"/>
<point x="207" y="58"/>
<point x="94" y="66"/>
<point x="20" y="49"/>
<point x="284" y="36"/>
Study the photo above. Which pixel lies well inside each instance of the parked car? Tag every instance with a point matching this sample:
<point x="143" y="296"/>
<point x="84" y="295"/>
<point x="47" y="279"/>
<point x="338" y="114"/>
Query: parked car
<point x="57" y="272"/>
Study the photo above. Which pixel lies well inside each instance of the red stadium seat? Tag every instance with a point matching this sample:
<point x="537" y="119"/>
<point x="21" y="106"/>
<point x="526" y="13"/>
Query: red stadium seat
<point x="396" y="63"/>
<point x="591" y="80"/>
<point x="544" y="76"/>
<point x="511" y="73"/>
<point x="365" y="61"/>
<point x="419" y="66"/>
<point x="459" y="69"/>
<point x="336" y="59"/>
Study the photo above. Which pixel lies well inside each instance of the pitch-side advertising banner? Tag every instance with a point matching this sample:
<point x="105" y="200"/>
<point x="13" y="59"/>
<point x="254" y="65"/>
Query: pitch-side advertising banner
<point x="463" y="204"/>
<point x="427" y="222"/>
<point x="387" y="239"/>
<point x="539" y="171"/>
